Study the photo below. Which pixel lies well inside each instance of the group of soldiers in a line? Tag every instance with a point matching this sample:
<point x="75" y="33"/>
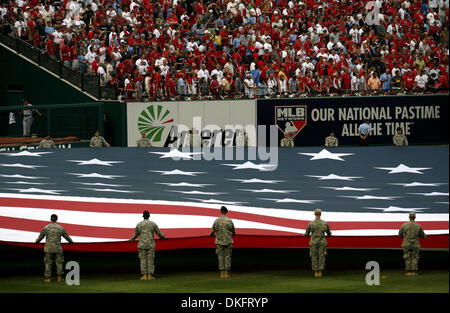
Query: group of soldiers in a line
<point x="223" y="229"/>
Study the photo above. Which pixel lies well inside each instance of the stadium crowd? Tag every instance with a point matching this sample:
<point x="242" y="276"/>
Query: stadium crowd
<point x="242" y="48"/>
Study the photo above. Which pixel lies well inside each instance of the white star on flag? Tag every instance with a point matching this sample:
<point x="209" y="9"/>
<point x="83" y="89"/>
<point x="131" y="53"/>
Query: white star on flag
<point x="175" y="153"/>
<point x="268" y="190"/>
<point x="22" y="177"/>
<point x="430" y="194"/>
<point x="368" y="197"/>
<point x="404" y="169"/>
<point x="417" y="184"/>
<point x="95" y="175"/>
<point x="196" y="192"/>
<point x="251" y="165"/>
<point x="334" y="177"/>
<point x="183" y="184"/>
<point x="288" y="200"/>
<point x="37" y="190"/>
<point x="178" y="172"/>
<point x="26" y="183"/>
<point x="325" y="154"/>
<point x="22" y="165"/>
<point x="109" y="190"/>
<point x="349" y="188"/>
<point x="215" y="201"/>
<point x="257" y="181"/>
<point x="100" y="184"/>
<point x="95" y="162"/>
<point x="397" y="209"/>
<point x="25" y="153"/>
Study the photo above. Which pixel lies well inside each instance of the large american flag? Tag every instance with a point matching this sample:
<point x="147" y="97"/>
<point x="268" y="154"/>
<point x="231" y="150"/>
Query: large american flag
<point x="99" y="195"/>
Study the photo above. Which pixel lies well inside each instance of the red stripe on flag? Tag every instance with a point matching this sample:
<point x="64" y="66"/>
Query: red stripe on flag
<point x="375" y="242"/>
<point x="133" y="208"/>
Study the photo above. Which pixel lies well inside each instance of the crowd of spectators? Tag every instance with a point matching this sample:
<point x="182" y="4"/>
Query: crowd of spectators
<point x="156" y="49"/>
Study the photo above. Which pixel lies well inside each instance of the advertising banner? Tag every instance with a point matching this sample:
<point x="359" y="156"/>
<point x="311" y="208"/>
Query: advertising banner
<point x="308" y="121"/>
<point x="167" y="124"/>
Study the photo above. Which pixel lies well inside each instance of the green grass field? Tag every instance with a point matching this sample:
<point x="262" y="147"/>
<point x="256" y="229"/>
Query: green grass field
<point x="254" y="270"/>
<point x="285" y="281"/>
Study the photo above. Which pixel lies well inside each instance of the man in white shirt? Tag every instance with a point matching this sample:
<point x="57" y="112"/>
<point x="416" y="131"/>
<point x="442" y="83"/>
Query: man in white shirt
<point x="218" y="73"/>
<point x="203" y="72"/>
<point x="102" y="73"/>
<point x="90" y="57"/>
<point x="249" y="85"/>
<point x="421" y="80"/>
<point x="164" y="68"/>
<point x="307" y="66"/>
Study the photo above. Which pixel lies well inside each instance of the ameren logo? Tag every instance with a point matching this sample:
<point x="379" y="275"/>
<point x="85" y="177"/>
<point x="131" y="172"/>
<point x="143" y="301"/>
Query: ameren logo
<point x="153" y="120"/>
<point x="291" y="119"/>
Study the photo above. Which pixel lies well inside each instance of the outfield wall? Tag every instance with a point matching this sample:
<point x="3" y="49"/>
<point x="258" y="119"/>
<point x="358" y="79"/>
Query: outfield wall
<point x="423" y="118"/>
<point x="159" y="119"/>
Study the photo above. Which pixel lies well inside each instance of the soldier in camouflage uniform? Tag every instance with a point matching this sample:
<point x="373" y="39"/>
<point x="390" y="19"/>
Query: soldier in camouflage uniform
<point x="331" y="141"/>
<point x="47" y="143"/>
<point x="286" y="141"/>
<point x="53" y="250"/>
<point x="318" y="244"/>
<point x="400" y="139"/>
<point x="146" y="230"/>
<point x="144" y="142"/>
<point x="223" y="228"/>
<point x="411" y="232"/>
<point x="98" y="141"/>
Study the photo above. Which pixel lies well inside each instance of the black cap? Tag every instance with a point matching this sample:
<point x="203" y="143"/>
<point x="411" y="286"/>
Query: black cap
<point x="223" y="210"/>
<point x="54" y="217"/>
<point x="146" y="214"/>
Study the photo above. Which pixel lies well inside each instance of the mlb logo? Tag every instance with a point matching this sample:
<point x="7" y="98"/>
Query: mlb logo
<point x="291" y="119"/>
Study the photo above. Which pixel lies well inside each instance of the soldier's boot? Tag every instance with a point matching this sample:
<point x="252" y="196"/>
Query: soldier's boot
<point x="150" y="277"/>
<point x="320" y="274"/>
<point x="60" y="279"/>
<point x="222" y="274"/>
<point x="227" y="274"/>
<point x="408" y="274"/>
<point x="143" y="277"/>
<point x="316" y="274"/>
<point x="47" y="280"/>
<point x="414" y="273"/>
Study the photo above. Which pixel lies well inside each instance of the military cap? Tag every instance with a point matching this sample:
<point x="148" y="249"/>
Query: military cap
<point x="412" y="214"/>
<point x="317" y="212"/>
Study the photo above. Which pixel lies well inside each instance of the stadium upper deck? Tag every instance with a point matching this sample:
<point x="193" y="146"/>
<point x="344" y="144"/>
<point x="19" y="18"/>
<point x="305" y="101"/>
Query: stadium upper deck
<point x="177" y="49"/>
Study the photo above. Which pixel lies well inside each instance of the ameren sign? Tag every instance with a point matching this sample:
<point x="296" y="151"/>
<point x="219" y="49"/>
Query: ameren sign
<point x="384" y="120"/>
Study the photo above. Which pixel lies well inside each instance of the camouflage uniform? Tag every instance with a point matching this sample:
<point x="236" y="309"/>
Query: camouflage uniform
<point x="400" y="140"/>
<point x="223" y="228"/>
<point x="286" y="142"/>
<point x="53" y="250"/>
<point x="318" y="244"/>
<point x="99" y="141"/>
<point x="143" y="143"/>
<point x="146" y="230"/>
<point x="411" y="231"/>
<point x="47" y="144"/>
<point x="331" y="142"/>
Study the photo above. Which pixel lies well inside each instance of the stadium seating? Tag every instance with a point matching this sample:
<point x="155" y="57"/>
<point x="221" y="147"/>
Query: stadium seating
<point x="174" y="49"/>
